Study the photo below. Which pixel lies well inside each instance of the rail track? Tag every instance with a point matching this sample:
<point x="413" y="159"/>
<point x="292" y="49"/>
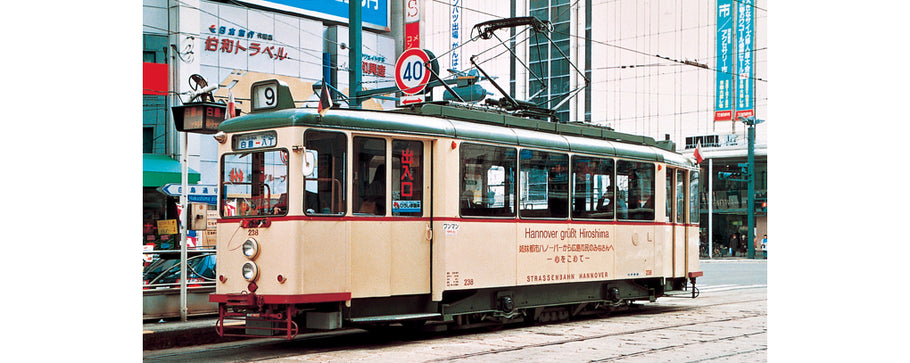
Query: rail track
<point x="719" y="326"/>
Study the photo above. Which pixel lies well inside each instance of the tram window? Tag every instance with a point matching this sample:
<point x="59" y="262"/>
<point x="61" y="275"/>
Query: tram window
<point x="407" y="178"/>
<point x="254" y="183"/>
<point x="544" y="179"/>
<point x="669" y="188"/>
<point x="680" y="196"/>
<point x="593" y="194"/>
<point x="324" y="187"/>
<point x="693" y="197"/>
<point x="488" y="180"/>
<point x="634" y="190"/>
<point x="369" y="176"/>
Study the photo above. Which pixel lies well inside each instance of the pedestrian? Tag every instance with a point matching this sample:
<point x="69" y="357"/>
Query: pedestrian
<point x="764" y="245"/>
<point x="733" y="245"/>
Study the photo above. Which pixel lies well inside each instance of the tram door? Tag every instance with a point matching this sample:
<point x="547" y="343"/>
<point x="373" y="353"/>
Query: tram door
<point x="390" y="250"/>
<point x="679" y="223"/>
<point x="410" y="208"/>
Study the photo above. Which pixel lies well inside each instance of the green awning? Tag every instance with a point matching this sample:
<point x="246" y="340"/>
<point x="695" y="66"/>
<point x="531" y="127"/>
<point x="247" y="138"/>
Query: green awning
<point x="158" y="170"/>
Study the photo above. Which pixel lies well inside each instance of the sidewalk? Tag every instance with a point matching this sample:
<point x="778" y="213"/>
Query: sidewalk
<point x="173" y="333"/>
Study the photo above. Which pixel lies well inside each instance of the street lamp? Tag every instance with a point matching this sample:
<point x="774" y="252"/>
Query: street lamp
<point x="750" y="122"/>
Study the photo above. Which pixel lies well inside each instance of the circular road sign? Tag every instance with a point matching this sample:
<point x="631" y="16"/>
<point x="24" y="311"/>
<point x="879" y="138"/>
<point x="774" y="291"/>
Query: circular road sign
<point x="411" y="73"/>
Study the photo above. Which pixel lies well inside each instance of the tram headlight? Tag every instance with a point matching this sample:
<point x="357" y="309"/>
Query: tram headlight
<point x="250" y="271"/>
<point x="250" y="248"/>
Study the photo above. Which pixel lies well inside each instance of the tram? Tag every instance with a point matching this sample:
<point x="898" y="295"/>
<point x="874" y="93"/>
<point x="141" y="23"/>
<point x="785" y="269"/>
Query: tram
<point x="441" y="215"/>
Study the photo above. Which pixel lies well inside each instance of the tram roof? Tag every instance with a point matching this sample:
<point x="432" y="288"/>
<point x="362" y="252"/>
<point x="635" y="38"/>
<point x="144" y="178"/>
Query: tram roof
<point x="430" y="119"/>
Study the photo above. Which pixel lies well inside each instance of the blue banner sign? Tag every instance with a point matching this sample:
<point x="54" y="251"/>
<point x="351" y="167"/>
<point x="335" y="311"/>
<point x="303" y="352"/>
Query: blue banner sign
<point x="745" y="24"/>
<point x="375" y="13"/>
<point x="723" y="93"/>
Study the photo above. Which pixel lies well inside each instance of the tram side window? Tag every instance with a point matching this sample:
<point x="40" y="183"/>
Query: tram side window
<point x="544" y="179"/>
<point x="324" y="187"/>
<point x="669" y="199"/>
<point x="487" y="180"/>
<point x="369" y="176"/>
<point x="634" y="190"/>
<point x="407" y="178"/>
<point x="593" y="194"/>
<point x="680" y="196"/>
<point x="693" y="197"/>
<point x="254" y="183"/>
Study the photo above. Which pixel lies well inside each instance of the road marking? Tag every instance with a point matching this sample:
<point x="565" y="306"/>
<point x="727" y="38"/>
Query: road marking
<point x="714" y="288"/>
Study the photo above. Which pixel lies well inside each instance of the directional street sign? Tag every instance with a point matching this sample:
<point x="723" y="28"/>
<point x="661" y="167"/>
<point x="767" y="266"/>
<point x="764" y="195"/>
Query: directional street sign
<point x="200" y="193"/>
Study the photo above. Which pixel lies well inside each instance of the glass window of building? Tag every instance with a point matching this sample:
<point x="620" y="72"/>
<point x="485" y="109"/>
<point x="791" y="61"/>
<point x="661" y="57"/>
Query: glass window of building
<point x="545" y="61"/>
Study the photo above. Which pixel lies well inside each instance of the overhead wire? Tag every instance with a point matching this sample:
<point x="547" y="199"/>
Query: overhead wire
<point x="317" y="61"/>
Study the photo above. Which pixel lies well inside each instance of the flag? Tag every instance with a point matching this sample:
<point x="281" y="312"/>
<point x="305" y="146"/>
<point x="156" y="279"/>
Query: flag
<point x="325" y="101"/>
<point x="231" y="106"/>
<point x="697" y="154"/>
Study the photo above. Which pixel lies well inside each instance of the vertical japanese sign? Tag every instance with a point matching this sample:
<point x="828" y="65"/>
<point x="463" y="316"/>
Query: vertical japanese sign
<point x="723" y="93"/>
<point x="411" y="25"/>
<point x="407" y="178"/>
<point x="456" y="33"/>
<point x="745" y="24"/>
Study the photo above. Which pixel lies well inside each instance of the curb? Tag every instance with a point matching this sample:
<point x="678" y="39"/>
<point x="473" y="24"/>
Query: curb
<point x="157" y="336"/>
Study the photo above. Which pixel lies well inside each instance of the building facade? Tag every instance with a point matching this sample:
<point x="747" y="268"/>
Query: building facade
<point x="656" y="68"/>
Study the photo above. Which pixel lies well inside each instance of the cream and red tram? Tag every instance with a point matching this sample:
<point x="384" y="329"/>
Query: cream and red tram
<point x="442" y="215"/>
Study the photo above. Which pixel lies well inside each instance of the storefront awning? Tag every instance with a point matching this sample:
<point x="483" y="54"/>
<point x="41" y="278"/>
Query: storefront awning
<point x="158" y="170"/>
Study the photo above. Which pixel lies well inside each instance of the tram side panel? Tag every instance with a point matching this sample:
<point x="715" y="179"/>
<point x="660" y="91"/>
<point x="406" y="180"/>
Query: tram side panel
<point x="561" y="253"/>
<point x="371" y="259"/>
<point x="634" y="245"/>
<point x="679" y="250"/>
<point x="410" y="264"/>
<point x="692" y="252"/>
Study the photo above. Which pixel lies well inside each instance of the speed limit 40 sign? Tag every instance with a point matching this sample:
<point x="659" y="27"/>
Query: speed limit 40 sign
<point x="411" y="72"/>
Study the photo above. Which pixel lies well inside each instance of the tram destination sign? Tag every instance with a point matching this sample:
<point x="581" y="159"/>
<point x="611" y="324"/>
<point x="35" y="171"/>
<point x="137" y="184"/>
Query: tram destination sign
<point x="199" y="117"/>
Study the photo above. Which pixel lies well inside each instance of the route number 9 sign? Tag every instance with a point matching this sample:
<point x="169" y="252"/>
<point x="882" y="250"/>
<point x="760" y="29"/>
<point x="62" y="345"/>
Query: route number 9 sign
<point x="265" y="95"/>
<point x="411" y="73"/>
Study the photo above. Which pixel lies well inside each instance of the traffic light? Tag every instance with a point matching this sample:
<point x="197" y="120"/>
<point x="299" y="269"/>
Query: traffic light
<point x="742" y="175"/>
<point x="726" y="175"/>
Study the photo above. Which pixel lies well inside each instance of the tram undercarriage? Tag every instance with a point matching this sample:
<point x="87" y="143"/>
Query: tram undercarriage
<point x="250" y="315"/>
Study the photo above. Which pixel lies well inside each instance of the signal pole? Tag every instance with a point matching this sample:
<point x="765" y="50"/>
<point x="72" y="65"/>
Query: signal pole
<point x="750" y="123"/>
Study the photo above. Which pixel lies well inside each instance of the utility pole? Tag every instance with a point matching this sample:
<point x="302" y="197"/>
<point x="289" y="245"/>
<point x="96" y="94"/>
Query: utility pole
<point x="355" y="45"/>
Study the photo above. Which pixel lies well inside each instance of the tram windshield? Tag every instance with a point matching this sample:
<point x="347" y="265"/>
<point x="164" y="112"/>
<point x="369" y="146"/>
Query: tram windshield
<point x="254" y="183"/>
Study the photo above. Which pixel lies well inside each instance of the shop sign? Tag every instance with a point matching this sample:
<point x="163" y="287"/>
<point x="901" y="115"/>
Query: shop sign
<point x="374" y="13"/>
<point x="236" y="40"/>
<point x="167" y="226"/>
<point x="723" y="92"/>
<point x="455" y="27"/>
<point x="374" y="65"/>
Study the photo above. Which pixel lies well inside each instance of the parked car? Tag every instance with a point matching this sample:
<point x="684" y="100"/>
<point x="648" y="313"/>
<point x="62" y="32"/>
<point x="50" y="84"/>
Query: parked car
<point x="166" y="270"/>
